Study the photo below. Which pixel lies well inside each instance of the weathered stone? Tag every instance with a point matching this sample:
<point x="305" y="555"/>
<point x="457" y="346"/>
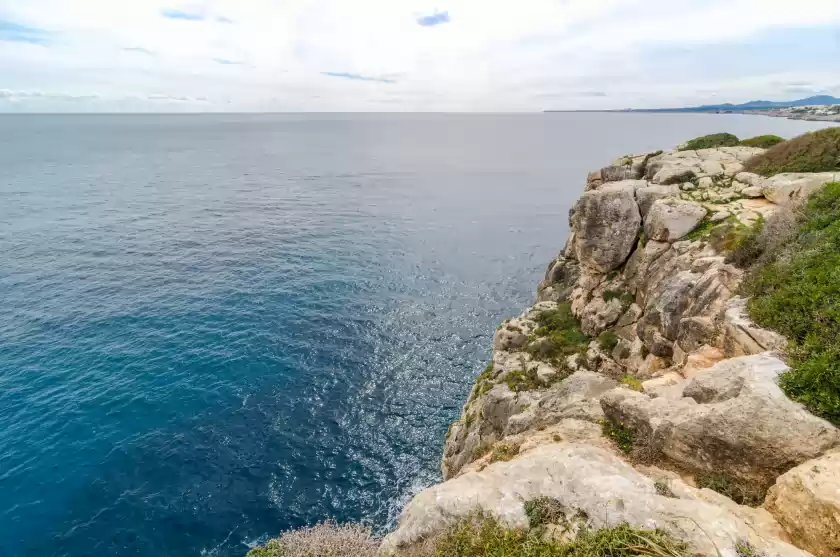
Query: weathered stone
<point x="616" y="173"/>
<point x="647" y="195"/>
<point x="742" y="337"/>
<point x="599" y="314"/>
<point x="752" y="192"/>
<point x="734" y="420"/>
<point x="670" y="219"/>
<point x="513" y="334"/>
<point x="806" y="502"/>
<point x="593" y="480"/>
<point x="791" y="188"/>
<point x="606" y="225"/>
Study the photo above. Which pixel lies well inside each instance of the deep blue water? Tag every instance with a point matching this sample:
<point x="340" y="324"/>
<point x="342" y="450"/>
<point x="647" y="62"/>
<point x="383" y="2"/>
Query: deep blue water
<point x="214" y="328"/>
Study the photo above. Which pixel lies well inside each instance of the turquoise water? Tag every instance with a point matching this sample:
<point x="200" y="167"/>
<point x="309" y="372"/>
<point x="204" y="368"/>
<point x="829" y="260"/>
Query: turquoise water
<point x="215" y="328"/>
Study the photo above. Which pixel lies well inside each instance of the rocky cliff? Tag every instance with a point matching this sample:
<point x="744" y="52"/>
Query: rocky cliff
<point x="637" y="389"/>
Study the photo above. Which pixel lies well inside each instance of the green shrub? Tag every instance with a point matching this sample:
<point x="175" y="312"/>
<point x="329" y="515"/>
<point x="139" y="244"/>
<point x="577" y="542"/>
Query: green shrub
<point x="798" y="295"/>
<point x="762" y="141"/>
<point x="484" y="536"/>
<point x="504" y="452"/>
<point x="558" y="335"/>
<point x="741" y="242"/>
<point x="741" y="492"/>
<point x="544" y="510"/>
<point x="607" y="341"/>
<point x="817" y="151"/>
<point x="520" y="380"/>
<point x="632" y="382"/>
<point x="710" y="141"/>
<point x="624" y="437"/>
<point x="663" y="489"/>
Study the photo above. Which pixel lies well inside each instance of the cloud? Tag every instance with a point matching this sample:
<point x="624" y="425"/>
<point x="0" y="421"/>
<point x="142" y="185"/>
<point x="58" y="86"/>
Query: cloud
<point x="177" y="98"/>
<point x="435" y="19"/>
<point x="359" y="77"/>
<point x="223" y="19"/>
<point x="13" y="32"/>
<point x="8" y="94"/>
<point x="225" y="62"/>
<point x="181" y="14"/>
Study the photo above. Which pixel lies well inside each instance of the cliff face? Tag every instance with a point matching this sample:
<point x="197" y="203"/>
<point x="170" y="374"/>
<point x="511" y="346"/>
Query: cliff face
<point x="637" y="377"/>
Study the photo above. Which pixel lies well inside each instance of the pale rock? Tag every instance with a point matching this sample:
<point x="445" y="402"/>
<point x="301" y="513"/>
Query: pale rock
<point x="670" y="219"/>
<point x="513" y="334"/>
<point x="752" y="192"/>
<point x="647" y="195"/>
<point x="599" y="314"/>
<point x="640" y="262"/>
<point x="606" y="225"/>
<point x="700" y="360"/>
<point x="663" y="386"/>
<point x="791" y="188"/>
<point x="589" y="479"/>
<point x="750" y="179"/>
<point x="806" y="502"/>
<point x="705" y="182"/>
<point x="741" y="336"/>
<point x="711" y="168"/>
<point x="733" y="419"/>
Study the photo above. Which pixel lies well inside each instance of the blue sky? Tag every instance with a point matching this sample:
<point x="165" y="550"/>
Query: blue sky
<point x="412" y="55"/>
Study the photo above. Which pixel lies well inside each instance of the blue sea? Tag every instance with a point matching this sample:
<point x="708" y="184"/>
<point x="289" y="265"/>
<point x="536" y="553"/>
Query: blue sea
<point x="217" y="327"/>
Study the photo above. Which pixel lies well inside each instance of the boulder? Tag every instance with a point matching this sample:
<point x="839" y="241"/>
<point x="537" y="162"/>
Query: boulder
<point x="791" y="188"/>
<point x="606" y="226"/>
<point x="560" y="279"/>
<point x="806" y="502"/>
<point x="599" y="314"/>
<point x="742" y="337"/>
<point x="647" y="195"/>
<point x="733" y="419"/>
<point x="594" y="480"/>
<point x="668" y="220"/>
<point x="513" y="334"/>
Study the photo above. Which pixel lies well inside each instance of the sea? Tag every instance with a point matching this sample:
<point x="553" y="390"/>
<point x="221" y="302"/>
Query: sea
<point x="214" y="328"/>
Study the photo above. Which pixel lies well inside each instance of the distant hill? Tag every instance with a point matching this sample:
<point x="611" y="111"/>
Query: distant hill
<point x="751" y="105"/>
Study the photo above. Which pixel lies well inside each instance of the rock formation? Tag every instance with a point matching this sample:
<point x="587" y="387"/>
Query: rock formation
<point x="638" y="375"/>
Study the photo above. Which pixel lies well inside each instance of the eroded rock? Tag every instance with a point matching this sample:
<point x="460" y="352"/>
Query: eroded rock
<point x="606" y="225"/>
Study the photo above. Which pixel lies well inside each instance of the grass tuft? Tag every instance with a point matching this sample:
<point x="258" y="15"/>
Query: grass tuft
<point x="504" y="452"/>
<point x="622" y="436"/>
<point x="607" y="341"/>
<point x="817" y="151"/>
<point x="741" y="492"/>
<point x="327" y="539"/>
<point x="632" y="382"/>
<point x="557" y="336"/>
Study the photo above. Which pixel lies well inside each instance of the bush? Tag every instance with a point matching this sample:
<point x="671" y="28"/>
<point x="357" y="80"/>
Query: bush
<point x="817" y="151"/>
<point x="607" y="341"/>
<point x="558" y="335"/>
<point x="763" y="141"/>
<point x="798" y="295"/>
<point x="519" y="380"/>
<point x="504" y="452"/>
<point x="327" y="539"/>
<point x="485" y="536"/>
<point x="624" y="437"/>
<point x="632" y="382"/>
<point x="710" y="141"/>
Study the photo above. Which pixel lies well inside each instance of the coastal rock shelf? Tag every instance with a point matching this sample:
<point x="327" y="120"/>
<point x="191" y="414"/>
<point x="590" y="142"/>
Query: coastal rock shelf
<point x="637" y="381"/>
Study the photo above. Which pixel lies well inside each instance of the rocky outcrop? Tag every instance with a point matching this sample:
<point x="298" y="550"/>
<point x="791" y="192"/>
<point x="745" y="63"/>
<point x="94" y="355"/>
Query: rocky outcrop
<point x="673" y="367"/>
<point x="592" y="480"/>
<point x="806" y="501"/>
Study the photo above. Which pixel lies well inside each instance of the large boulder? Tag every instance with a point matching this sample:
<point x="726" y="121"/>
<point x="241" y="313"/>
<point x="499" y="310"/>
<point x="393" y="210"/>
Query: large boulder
<point x="560" y="279"/>
<point x="670" y="219"/>
<point x="791" y="188"/>
<point x="742" y="337"/>
<point x="647" y="195"/>
<point x="595" y="481"/>
<point x="806" y="502"/>
<point x="733" y="419"/>
<point x="605" y="225"/>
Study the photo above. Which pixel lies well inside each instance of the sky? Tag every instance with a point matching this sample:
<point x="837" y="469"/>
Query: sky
<point x="411" y="55"/>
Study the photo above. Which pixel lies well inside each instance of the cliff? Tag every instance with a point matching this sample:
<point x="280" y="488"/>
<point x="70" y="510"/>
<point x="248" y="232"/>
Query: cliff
<point x="637" y="389"/>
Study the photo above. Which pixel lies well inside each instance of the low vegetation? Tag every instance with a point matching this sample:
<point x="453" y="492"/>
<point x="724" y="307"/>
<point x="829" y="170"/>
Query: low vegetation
<point x="557" y="336"/>
<point x="797" y="293"/>
<point x="327" y="539"/>
<point x="520" y="380"/>
<point x="503" y="452"/>
<point x="663" y="489"/>
<point x="741" y="492"/>
<point x="483" y="536"/>
<point x="711" y="141"/>
<point x="632" y="382"/>
<point x="817" y="151"/>
<point x="607" y="341"/>
<point x="762" y="141"/>
<point x="624" y="437"/>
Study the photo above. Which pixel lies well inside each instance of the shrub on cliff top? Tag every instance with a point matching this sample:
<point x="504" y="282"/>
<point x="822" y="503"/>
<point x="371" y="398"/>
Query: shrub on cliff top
<point x="798" y="295"/>
<point x="763" y="141"/>
<point x="558" y="334"/>
<point x="711" y="141"/>
<point x="817" y="151"/>
<point x="327" y="539"/>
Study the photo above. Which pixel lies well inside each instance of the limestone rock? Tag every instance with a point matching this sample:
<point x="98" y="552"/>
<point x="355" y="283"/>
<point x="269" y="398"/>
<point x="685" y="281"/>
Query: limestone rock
<point x="589" y="479"/>
<point x="513" y="334"/>
<point x="599" y="314"/>
<point x="647" y="195"/>
<point x="606" y="225"/>
<point x="670" y="219"/>
<point x="560" y="277"/>
<point x="742" y="336"/>
<point x="790" y="188"/>
<point x="806" y="502"/>
<point x="733" y="419"/>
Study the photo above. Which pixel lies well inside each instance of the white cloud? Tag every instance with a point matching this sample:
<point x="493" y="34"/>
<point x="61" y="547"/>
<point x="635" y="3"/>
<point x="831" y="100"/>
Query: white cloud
<point x="487" y="55"/>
